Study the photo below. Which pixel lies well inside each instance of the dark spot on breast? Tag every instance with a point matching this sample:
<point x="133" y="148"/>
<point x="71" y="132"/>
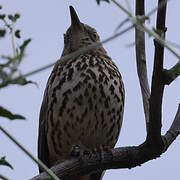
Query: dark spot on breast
<point x="102" y="117"/>
<point x="89" y="122"/>
<point x="95" y="96"/>
<point x="86" y="93"/>
<point x="83" y="115"/>
<point x="54" y="142"/>
<point x="84" y="67"/>
<point x="86" y="79"/>
<point x="82" y="74"/>
<point x="77" y="86"/>
<point x="51" y="118"/>
<point x="60" y="71"/>
<point x="91" y="61"/>
<point x="67" y="92"/>
<point x="78" y="65"/>
<point x="106" y="103"/>
<point x="70" y="74"/>
<point x="112" y="89"/>
<point x="94" y="89"/>
<point x="69" y="65"/>
<point x="109" y="113"/>
<point x="115" y="82"/>
<point x="63" y="105"/>
<point x="92" y="74"/>
<point x="104" y="126"/>
<point x="90" y="103"/>
<point x="120" y="108"/>
<point x="71" y="115"/>
<point x="110" y="139"/>
<point x="117" y="97"/>
<point x="89" y="85"/>
<point x="61" y="82"/>
<point x="102" y="90"/>
<point x="106" y="81"/>
<point x="100" y="78"/>
<point x="111" y="130"/>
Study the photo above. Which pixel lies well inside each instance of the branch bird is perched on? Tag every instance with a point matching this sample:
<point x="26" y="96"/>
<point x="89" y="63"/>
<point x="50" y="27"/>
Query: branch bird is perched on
<point x="83" y="100"/>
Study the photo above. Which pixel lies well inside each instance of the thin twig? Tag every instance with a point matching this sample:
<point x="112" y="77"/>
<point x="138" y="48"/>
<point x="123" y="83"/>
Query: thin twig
<point x="39" y="162"/>
<point x="13" y="40"/>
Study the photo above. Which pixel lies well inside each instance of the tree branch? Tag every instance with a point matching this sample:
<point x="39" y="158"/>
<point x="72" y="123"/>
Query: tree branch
<point x="173" y="131"/>
<point x="171" y="74"/>
<point x="157" y="87"/>
<point x="141" y="62"/>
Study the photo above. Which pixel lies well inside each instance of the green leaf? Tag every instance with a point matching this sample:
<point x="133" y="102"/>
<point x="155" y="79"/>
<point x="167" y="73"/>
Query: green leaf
<point x="22" y="49"/>
<point x="3" y="74"/>
<point x="22" y="81"/>
<point x="7" y="114"/>
<point x="17" y="16"/>
<point x="98" y="1"/>
<point x="4" y="162"/>
<point x="3" y="177"/>
<point x="2" y="16"/>
<point x="17" y="34"/>
<point x="9" y="61"/>
<point x="2" y="33"/>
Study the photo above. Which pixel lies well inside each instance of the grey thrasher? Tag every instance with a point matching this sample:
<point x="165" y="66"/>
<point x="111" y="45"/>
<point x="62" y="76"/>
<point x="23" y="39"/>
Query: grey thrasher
<point x="83" y="100"/>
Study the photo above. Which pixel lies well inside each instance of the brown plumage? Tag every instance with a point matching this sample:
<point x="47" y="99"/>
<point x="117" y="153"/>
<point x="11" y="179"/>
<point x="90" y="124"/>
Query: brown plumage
<point x="83" y="100"/>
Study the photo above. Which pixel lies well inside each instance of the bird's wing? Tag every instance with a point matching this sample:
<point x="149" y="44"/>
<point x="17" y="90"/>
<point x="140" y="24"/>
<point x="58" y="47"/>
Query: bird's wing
<point x="43" y="153"/>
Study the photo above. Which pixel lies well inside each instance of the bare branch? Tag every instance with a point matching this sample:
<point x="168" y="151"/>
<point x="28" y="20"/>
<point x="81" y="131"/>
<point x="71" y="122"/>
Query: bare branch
<point x="173" y="132"/>
<point x="157" y="87"/>
<point x="141" y="62"/>
<point x="171" y="74"/>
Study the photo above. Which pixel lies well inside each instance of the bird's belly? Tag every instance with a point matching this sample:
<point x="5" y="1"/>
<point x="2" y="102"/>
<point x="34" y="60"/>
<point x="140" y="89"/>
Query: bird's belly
<point x="84" y="109"/>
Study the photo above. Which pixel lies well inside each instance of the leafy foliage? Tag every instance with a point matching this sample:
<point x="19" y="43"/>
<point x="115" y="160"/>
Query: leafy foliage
<point x="9" y="66"/>
<point x="6" y="113"/>
<point x="98" y="1"/>
<point x="9" y="69"/>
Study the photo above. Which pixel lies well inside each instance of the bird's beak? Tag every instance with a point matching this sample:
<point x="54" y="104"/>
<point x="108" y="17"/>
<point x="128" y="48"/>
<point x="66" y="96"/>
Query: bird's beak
<point x="75" y="22"/>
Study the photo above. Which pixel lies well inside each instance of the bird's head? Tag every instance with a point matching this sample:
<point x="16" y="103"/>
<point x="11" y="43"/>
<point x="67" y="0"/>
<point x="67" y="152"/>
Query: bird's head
<point x="79" y="35"/>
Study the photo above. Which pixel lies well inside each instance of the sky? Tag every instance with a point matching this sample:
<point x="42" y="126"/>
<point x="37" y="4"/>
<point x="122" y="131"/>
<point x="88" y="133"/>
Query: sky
<point x="45" y="22"/>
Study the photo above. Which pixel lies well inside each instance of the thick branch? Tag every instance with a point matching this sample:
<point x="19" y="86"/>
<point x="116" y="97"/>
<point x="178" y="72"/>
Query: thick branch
<point x="171" y="74"/>
<point x="141" y="62"/>
<point x="123" y="157"/>
<point x="157" y="88"/>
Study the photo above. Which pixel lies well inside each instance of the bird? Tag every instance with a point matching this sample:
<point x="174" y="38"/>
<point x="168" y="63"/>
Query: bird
<point x="83" y="100"/>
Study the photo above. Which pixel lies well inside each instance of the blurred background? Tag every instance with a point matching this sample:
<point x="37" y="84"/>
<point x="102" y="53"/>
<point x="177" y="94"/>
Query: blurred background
<point x="45" y="22"/>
